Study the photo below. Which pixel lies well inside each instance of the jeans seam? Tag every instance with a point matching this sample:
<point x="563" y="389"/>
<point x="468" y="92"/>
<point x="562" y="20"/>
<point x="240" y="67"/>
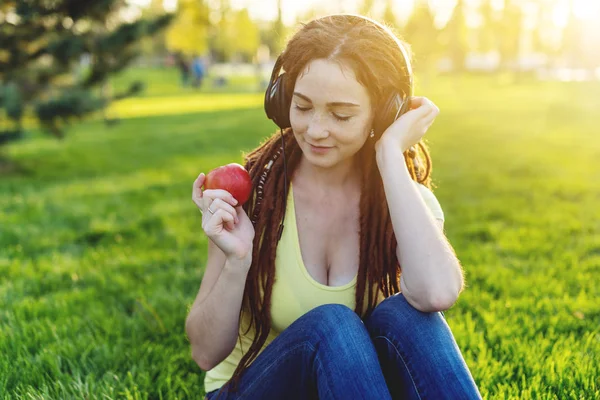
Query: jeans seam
<point x="326" y="380"/>
<point x="257" y="379"/>
<point x="403" y="362"/>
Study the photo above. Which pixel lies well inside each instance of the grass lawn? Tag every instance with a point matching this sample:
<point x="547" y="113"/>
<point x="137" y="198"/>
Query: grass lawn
<point x="102" y="252"/>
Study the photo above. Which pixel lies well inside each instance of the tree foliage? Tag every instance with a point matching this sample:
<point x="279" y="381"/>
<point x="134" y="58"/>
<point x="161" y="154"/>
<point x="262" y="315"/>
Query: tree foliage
<point x="455" y="37"/>
<point x="189" y="32"/>
<point x="42" y="43"/>
<point x="422" y="35"/>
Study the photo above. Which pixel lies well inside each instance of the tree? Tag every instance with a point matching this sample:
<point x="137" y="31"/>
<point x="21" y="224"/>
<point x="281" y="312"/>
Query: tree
<point x="488" y="31"/>
<point x="511" y="25"/>
<point x="273" y="34"/>
<point x="156" y="44"/>
<point x="236" y="34"/>
<point x="189" y="32"/>
<point x="247" y="33"/>
<point x="42" y="42"/>
<point x="455" y="37"/>
<point x="422" y="35"/>
<point x="544" y="35"/>
<point x="389" y="18"/>
<point x="278" y="30"/>
<point x="366" y="7"/>
<point x="579" y="43"/>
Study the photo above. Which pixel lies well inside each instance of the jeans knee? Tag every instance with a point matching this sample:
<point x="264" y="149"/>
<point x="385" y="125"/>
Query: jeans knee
<point x="333" y="321"/>
<point x="339" y="334"/>
<point x="332" y="314"/>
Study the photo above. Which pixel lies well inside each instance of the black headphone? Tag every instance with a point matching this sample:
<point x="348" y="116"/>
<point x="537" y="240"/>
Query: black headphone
<point x="278" y="102"/>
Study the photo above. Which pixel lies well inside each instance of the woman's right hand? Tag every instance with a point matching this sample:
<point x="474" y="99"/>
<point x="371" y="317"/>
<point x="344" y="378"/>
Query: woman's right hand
<point x="225" y="223"/>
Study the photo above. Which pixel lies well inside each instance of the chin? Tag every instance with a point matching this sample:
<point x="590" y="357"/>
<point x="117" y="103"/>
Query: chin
<point x="321" y="160"/>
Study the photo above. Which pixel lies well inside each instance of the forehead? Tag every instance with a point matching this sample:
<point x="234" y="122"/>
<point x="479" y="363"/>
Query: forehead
<point x="330" y="81"/>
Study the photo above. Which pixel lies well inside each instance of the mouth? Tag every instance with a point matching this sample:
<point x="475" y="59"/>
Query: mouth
<point x="321" y="150"/>
<point x="320" y="147"/>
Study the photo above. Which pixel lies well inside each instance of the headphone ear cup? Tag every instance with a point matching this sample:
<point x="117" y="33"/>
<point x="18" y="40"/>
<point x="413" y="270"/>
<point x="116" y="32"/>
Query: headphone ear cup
<point x="277" y="102"/>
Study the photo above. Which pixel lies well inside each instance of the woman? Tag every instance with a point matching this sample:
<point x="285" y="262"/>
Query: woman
<point x="322" y="310"/>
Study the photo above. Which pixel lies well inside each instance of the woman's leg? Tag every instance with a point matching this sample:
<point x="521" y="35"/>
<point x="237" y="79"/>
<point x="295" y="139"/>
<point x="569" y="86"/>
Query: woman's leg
<point x="327" y="352"/>
<point x="418" y="354"/>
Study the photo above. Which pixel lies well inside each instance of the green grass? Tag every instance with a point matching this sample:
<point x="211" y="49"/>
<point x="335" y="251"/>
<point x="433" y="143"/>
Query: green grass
<point x="102" y="252"/>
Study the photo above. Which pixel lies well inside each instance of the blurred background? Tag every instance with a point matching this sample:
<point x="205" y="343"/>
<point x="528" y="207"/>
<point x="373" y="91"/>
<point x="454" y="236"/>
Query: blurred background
<point x="109" y="109"/>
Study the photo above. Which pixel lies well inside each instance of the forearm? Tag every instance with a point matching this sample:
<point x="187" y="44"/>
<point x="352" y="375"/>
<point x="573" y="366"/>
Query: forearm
<point x="431" y="273"/>
<point x="212" y="326"/>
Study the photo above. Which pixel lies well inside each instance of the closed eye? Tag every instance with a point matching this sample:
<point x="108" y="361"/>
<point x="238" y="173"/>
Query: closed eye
<point x="341" y="118"/>
<point x="338" y="117"/>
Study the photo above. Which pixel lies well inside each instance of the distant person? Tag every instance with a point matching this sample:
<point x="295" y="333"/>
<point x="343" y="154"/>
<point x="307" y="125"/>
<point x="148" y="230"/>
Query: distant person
<point x="335" y="275"/>
<point x="184" y="68"/>
<point x="199" y="70"/>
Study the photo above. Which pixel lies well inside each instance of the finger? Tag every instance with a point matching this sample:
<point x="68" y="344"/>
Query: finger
<point x="426" y="111"/>
<point x="197" y="186"/>
<point x="427" y="122"/>
<point x="199" y="181"/>
<point x="433" y="108"/>
<point x="416" y="102"/>
<point x="417" y="114"/>
<point x="222" y="217"/>
<point x="428" y="118"/>
<point x="219" y="204"/>
<point x="213" y="194"/>
<point x="435" y="111"/>
<point x="423" y="104"/>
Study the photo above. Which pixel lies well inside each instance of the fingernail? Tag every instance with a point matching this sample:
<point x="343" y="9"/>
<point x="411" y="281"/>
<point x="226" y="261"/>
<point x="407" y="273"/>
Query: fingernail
<point x="235" y="201"/>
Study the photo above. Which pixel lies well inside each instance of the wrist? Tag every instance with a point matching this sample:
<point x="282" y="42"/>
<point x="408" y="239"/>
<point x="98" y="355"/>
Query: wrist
<point x="235" y="273"/>
<point x="388" y="153"/>
<point x="239" y="264"/>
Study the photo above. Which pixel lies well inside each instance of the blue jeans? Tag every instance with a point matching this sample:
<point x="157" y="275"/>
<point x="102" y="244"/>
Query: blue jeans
<point x="329" y="353"/>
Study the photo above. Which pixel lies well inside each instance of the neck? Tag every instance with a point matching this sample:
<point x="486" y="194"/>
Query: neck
<point x="328" y="180"/>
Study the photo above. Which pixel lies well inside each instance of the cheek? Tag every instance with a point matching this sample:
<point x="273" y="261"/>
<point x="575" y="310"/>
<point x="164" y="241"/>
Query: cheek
<point x="298" y="121"/>
<point x="355" y="133"/>
<point x="357" y="142"/>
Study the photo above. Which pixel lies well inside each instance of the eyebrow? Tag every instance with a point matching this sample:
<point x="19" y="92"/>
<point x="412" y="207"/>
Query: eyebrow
<point x="334" y="104"/>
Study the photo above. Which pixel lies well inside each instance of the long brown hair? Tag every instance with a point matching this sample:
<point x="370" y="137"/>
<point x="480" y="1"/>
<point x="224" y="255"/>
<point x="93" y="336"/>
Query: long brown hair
<point x="370" y="49"/>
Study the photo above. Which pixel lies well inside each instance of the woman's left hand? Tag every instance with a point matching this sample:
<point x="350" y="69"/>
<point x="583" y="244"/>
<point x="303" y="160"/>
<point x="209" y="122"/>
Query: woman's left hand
<point x="410" y="127"/>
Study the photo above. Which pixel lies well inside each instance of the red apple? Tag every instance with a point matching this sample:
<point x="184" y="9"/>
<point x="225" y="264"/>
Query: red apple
<point x="233" y="178"/>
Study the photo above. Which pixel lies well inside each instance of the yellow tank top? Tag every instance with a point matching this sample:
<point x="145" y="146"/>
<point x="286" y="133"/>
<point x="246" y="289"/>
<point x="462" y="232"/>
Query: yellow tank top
<point x="295" y="292"/>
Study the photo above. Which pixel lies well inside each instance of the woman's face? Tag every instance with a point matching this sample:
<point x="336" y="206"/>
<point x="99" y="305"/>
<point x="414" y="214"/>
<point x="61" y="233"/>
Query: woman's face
<point x="330" y="113"/>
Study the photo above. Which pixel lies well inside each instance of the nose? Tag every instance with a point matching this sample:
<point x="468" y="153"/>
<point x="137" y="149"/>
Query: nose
<point x="317" y="128"/>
